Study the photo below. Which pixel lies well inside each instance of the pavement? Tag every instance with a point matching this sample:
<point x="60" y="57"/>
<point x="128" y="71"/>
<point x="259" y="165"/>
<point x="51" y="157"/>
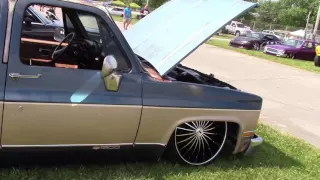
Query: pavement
<point x="291" y="96"/>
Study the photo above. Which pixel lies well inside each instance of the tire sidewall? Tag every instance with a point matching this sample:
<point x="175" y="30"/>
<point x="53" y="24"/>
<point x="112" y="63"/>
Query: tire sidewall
<point x="317" y="61"/>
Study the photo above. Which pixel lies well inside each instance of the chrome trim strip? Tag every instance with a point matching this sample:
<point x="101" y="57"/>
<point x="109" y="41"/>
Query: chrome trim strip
<point x="160" y="144"/>
<point x="65" y="145"/>
<point x="78" y="145"/>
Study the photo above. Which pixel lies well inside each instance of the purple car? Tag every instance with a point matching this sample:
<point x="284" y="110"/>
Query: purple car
<point x="293" y="48"/>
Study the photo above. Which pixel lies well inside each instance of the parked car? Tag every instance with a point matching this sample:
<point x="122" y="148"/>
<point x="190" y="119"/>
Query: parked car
<point x="37" y="24"/>
<point x="108" y="92"/>
<point x="253" y="41"/>
<point x="293" y="48"/>
<point x="237" y="28"/>
<point x="277" y="33"/>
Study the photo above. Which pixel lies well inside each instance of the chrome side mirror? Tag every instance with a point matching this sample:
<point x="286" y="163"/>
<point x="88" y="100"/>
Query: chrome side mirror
<point x="111" y="79"/>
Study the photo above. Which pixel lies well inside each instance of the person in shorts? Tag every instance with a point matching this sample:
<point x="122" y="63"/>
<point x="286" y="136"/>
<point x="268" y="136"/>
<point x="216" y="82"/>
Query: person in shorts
<point x="127" y="16"/>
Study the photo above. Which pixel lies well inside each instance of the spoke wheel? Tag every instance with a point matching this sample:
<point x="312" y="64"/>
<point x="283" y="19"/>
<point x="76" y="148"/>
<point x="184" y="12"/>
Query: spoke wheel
<point x="199" y="142"/>
<point x="256" y="46"/>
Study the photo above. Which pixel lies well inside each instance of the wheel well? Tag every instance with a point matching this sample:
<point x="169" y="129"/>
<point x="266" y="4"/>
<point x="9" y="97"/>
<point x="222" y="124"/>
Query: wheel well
<point x="232" y="136"/>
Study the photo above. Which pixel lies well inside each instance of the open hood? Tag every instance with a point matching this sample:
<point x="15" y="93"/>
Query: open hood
<point x="170" y="33"/>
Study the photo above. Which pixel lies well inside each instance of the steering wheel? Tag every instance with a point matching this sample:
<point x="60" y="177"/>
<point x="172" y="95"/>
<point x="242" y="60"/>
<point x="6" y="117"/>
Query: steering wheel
<point x="60" y="49"/>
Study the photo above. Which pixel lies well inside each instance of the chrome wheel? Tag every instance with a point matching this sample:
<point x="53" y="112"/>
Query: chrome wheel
<point x="256" y="46"/>
<point x="199" y="142"/>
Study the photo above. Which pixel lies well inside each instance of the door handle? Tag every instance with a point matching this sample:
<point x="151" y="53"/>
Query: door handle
<point x="44" y="52"/>
<point x="16" y="76"/>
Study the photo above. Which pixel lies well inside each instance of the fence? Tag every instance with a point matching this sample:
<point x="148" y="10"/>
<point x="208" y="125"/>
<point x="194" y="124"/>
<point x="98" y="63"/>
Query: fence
<point x="259" y="26"/>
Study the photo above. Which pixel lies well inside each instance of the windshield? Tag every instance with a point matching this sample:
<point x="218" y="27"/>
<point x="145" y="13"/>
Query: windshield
<point x="254" y="35"/>
<point x="294" y="43"/>
<point x="240" y="25"/>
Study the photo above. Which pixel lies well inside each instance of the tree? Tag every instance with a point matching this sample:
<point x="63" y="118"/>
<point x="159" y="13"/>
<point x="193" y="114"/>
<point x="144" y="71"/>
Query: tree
<point x="156" y="3"/>
<point x="287" y="12"/>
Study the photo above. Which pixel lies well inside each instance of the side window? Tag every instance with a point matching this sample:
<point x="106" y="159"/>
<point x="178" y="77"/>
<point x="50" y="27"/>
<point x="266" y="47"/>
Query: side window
<point x="233" y="25"/>
<point x="29" y="14"/>
<point x="80" y="48"/>
<point x="270" y="37"/>
<point x="308" y="45"/>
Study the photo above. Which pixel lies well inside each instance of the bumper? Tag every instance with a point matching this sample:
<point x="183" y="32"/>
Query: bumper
<point x="243" y="46"/>
<point x="275" y="54"/>
<point x="254" y="143"/>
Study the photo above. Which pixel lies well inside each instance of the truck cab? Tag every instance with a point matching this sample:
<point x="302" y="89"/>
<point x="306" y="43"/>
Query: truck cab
<point x="87" y="85"/>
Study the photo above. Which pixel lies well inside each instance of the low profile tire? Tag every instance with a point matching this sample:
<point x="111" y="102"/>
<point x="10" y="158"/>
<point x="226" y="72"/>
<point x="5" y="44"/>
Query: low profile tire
<point x="237" y="33"/>
<point x="256" y="46"/>
<point x="292" y="56"/>
<point x="197" y="143"/>
<point x="317" y="61"/>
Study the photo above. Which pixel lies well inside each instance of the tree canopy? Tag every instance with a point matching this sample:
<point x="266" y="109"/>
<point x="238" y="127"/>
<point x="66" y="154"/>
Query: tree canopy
<point x="287" y="12"/>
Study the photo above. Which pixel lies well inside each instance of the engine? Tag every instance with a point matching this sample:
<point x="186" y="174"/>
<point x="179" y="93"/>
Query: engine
<point x="186" y="74"/>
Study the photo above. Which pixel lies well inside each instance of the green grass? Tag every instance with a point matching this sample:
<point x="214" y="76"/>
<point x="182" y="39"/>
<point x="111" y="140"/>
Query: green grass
<point x="225" y="36"/>
<point x="280" y="157"/>
<point x="120" y="19"/>
<point x="305" y="65"/>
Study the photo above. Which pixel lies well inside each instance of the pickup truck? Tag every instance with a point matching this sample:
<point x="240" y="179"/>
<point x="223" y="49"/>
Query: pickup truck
<point x="237" y="28"/>
<point x="99" y="89"/>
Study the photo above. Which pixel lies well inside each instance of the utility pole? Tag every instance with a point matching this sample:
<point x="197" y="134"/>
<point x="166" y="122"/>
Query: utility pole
<point x="316" y="24"/>
<point x="147" y="2"/>
<point x="306" y="29"/>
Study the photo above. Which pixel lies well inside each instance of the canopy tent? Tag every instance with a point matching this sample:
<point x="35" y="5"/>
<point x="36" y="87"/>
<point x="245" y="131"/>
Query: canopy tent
<point x="299" y="33"/>
<point x="135" y="6"/>
<point x="118" y="3"/>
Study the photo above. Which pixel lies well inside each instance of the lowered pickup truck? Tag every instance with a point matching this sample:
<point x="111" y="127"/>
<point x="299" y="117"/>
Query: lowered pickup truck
<point x="100" y="90"/>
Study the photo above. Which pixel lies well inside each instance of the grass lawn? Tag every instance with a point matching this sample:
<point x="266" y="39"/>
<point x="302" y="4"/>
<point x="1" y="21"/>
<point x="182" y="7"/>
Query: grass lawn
<point x="306" y="65"/>
<point x="225" y="36"/>
<point x="280" y="157"/>
<point x="120" y="19"/>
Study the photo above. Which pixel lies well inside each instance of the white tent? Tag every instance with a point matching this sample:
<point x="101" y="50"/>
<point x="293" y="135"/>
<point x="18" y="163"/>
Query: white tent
<point x="299" y="33"/>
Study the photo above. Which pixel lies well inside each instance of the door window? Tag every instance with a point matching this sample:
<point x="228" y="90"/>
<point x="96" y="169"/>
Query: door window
<point x="308" y="45"/>
<point x="270" y="38"/>
<point x="85" y="46"/>
<point x="33" y="18"/>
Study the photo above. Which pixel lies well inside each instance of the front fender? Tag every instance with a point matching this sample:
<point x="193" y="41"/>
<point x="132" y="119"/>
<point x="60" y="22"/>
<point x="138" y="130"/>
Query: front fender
<point x="167" y="105"/>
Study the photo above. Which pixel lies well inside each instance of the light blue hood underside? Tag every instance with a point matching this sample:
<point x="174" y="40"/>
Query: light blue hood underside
<point x="170" y="33"/>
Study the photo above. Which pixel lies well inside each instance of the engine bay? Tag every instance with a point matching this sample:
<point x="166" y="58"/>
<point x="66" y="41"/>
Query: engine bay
<point x="185" y="74"/>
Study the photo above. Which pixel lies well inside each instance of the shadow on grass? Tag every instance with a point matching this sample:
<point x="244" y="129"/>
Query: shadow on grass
<point x="266" y="156"/>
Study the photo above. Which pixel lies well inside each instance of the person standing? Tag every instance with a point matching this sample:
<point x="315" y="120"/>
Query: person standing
<point x="127" y="15"/>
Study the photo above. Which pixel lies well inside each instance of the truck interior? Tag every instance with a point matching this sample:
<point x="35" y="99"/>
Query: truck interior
<point x="83" y="44"/>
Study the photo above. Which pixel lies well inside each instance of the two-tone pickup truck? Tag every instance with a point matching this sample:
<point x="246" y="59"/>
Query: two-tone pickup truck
<point x="101" y="90"/>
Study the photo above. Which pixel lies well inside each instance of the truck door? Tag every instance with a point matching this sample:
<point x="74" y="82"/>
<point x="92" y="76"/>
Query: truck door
<point x="63" y="101"/>
<point x="3" y="67"/>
